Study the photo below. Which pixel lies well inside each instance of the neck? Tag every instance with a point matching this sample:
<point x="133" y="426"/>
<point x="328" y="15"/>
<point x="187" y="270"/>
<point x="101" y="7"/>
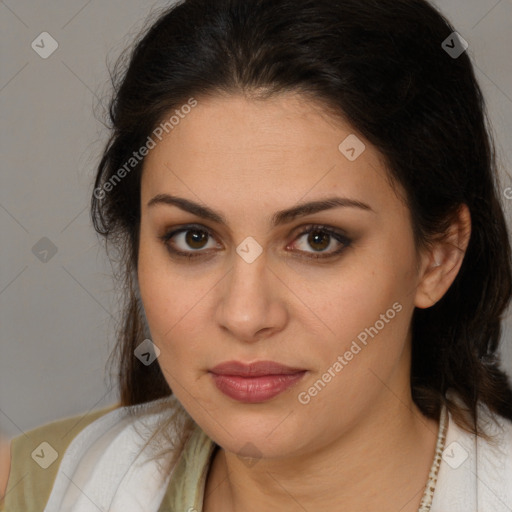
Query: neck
<point x="381" y="464"/>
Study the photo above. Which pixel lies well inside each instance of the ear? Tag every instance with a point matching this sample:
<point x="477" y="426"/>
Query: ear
<point x="441" y="262"/>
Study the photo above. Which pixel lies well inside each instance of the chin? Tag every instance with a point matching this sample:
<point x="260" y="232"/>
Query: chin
<point x="262" y="440"/>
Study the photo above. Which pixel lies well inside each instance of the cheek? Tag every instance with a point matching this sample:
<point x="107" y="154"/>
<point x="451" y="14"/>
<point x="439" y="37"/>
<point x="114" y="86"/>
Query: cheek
<point x="368" y="306"/>
<point x="370" y="318"/>
<point x="356" y="298"/>
<point x="173" y="307"/>
<point x="158" y="289"/>
<point x="156" y="296"/>
<point x="170" y="309"/>
<point x="369" y="324"/>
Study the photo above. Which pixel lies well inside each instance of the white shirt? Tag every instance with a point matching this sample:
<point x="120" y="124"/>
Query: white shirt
<point x="106" y="467"/>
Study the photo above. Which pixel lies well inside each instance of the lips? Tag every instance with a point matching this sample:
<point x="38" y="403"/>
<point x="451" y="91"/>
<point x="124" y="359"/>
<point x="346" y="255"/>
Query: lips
<point x="256" y="369"/>
<point x="255" y="382"/>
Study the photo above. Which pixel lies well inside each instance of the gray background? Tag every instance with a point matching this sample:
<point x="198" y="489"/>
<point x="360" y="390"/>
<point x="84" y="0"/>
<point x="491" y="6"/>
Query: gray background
<point x="57" y="317"/>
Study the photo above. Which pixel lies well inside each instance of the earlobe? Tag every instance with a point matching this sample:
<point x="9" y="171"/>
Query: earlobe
<point x="442" y="262"/>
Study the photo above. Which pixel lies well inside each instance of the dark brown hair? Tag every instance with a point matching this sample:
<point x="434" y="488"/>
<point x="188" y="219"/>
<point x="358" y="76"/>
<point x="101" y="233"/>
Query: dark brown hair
<point x="380" y="64"/>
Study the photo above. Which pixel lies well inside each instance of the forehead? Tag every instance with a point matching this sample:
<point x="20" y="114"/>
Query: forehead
<point x="277" y="150"/>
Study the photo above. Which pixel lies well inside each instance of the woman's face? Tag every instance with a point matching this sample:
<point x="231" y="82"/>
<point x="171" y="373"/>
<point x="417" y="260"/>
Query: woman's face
<point x="253" y="289"/>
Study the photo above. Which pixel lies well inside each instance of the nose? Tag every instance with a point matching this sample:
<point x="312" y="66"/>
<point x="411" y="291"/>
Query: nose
<point x="251" y="305"/>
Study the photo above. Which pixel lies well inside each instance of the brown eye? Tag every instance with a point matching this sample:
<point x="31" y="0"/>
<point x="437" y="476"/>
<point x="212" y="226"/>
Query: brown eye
<point x="195" y="238"/>
<point x="319" y="239"/>
<point x="192" y="241"/>
<point x="189" y="241"/>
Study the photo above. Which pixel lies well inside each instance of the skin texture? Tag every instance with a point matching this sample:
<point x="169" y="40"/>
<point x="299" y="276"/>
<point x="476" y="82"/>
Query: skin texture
<point x="361" y="441"/>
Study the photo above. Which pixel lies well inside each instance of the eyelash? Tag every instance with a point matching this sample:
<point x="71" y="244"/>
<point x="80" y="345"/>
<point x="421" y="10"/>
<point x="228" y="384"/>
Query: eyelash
<point x="340" y="237"/>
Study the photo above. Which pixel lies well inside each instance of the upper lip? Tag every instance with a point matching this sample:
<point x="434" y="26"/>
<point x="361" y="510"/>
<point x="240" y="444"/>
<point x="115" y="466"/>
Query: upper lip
<point x="255" y="369"/>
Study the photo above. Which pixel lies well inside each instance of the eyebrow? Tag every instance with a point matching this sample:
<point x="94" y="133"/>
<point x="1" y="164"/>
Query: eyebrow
<point x="280" y="217"/>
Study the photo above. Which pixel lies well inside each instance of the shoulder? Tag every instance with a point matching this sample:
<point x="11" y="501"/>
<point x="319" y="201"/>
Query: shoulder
<point x="495" y="453"/>
<point x="35" y="457"/>
<point x="5" y="462"/>
<point x="493" y="464"/>
<point x="475" y="472"/>
<point x="101" y="459"/>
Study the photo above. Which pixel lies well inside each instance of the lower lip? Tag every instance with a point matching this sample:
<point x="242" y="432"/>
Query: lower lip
<point x="255" y="389"/>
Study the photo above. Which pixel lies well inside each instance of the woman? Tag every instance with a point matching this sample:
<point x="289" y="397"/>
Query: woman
<point x="304" y="202"/>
